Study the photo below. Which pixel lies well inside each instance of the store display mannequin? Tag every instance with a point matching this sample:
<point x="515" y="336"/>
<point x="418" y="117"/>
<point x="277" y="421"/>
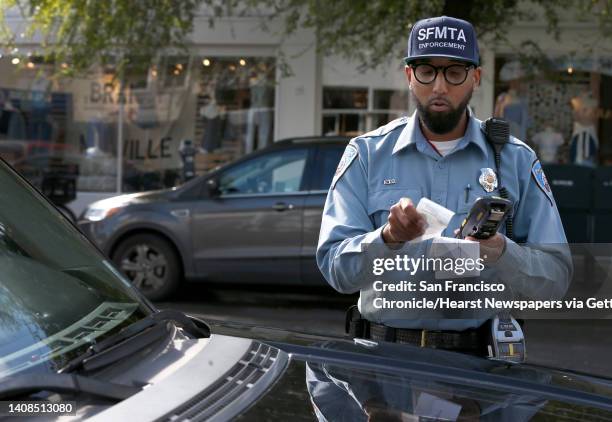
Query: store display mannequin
<point x="509" y="105"/>
<point x="39" y="124"/>
<point x="211" y="114"/>
<point x="548" y="142"/>
<point x="584" y="143"/>
<point x="260" y="114"/>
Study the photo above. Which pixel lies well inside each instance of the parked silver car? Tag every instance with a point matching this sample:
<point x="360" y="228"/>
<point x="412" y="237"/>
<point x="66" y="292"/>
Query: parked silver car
<point x="255" y="220"/>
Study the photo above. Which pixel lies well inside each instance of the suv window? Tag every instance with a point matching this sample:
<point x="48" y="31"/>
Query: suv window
<point x="329" y="157"/>
<point x="276" y="172"/>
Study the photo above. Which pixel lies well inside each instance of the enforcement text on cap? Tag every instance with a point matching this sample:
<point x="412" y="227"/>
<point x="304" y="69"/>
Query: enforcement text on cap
<point x="443" y="37"/>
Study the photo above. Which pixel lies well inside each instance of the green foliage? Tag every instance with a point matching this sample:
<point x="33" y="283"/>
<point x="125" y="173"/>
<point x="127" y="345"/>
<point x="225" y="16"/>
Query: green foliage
<point x="127" y="34"/>
<point x="374" y="32"/>
<point x="131" y="34"/>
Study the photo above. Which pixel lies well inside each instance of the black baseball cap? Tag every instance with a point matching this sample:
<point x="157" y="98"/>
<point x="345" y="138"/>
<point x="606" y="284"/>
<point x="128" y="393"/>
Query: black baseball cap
<point x="443" y="36"/>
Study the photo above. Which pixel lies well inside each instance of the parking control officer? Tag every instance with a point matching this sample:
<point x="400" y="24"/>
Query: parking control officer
<point x="440" y="153"/>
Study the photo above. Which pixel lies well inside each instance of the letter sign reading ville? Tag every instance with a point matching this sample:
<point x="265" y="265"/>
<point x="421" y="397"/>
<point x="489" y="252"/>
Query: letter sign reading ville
<point x="444" y="32"/>
<point x="134" y="149"/>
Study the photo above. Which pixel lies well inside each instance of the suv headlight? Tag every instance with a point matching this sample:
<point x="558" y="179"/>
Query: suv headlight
<point x="103" y="209"/>
<point x="97" y="214"/>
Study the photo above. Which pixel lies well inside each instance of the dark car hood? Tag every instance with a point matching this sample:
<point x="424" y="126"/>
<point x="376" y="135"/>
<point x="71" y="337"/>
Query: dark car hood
<point x="383" y="361"/>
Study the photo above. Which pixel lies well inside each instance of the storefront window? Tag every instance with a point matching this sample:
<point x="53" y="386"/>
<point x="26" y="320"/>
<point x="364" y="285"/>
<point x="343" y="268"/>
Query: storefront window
<point x="235" y="108"/>
<point x="560" y="113"/>
<point x="351" y="111"/>
<point x="223" y="105"/>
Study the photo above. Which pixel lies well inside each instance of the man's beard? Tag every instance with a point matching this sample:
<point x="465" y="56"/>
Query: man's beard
<point x="442" y="122"/>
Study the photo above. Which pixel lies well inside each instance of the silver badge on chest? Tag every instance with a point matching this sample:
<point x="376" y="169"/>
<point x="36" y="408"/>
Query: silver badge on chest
<point x="488" y="179"/>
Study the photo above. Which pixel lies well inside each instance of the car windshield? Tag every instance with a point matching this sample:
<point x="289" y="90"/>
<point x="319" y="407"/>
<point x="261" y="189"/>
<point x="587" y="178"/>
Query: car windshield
<point x="58" y="294"/>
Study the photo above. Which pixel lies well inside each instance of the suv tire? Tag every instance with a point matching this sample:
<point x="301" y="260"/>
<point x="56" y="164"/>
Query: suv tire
<point x="150" y="263"/>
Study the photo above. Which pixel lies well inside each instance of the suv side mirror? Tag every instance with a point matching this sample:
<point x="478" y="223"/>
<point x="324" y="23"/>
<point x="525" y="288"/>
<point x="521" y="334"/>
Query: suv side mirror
<point x="212" y="186"/>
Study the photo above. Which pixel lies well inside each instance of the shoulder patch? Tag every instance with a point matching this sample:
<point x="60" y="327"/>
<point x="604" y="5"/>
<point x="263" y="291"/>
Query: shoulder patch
<point x="350" y="153"/>
<point x="540" y="178"/>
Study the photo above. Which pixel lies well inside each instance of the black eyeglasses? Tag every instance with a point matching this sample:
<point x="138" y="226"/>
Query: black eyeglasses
<point x="455" y="74"/>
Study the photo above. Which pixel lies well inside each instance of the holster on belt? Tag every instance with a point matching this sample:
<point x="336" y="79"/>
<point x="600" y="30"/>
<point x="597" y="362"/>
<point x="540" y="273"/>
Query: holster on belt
<point x="354" y="325"/>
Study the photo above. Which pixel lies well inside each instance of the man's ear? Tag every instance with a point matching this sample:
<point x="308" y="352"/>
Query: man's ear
<point x="476" y="77"/>
<point x="408" y="71"/>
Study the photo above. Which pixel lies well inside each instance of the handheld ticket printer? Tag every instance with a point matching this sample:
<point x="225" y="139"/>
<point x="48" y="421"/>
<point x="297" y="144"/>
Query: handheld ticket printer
<point x="485" y="217"/>
<point x="506" y="341"/>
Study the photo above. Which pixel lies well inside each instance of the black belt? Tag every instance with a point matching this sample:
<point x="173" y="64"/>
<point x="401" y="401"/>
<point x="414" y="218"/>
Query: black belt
<point x="473" y="341"/>
<point x="470" y="340"/>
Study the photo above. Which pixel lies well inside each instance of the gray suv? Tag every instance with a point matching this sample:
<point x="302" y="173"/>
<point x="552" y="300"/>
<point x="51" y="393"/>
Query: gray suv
<point x="252" y="221"/>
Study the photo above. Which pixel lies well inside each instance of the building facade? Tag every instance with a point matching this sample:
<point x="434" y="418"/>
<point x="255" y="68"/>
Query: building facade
<point x="231" y="95"/>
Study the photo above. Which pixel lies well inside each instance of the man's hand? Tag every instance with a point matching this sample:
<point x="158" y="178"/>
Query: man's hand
<point x="404" y="223"/>
<point x="492" y="248"/>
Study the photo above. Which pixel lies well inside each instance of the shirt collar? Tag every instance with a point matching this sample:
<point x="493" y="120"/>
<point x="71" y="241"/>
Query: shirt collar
<point x="411" y="134"/>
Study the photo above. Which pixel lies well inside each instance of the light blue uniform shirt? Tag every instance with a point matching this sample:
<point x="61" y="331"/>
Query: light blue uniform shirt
<point x="396" y="161"/>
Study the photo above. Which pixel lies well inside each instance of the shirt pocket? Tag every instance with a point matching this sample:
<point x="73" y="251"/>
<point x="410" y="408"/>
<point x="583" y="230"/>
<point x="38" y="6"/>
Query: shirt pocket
<point x="463" y="206"/>
<point x="380" y="202"/>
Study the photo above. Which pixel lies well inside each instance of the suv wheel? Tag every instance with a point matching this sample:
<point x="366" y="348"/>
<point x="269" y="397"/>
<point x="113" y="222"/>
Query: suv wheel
<point x="150" y="263"/>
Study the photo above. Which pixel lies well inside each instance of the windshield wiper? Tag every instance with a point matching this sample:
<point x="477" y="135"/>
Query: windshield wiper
<point x="16" y="386"/>
<point x="132" y="338"/>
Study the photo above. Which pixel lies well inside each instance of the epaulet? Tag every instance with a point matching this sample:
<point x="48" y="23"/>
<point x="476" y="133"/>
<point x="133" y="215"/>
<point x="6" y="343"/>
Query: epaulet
<point x="511" y="139"/>
<point x="383" y="130"/>
<point x="517" y="142"/>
